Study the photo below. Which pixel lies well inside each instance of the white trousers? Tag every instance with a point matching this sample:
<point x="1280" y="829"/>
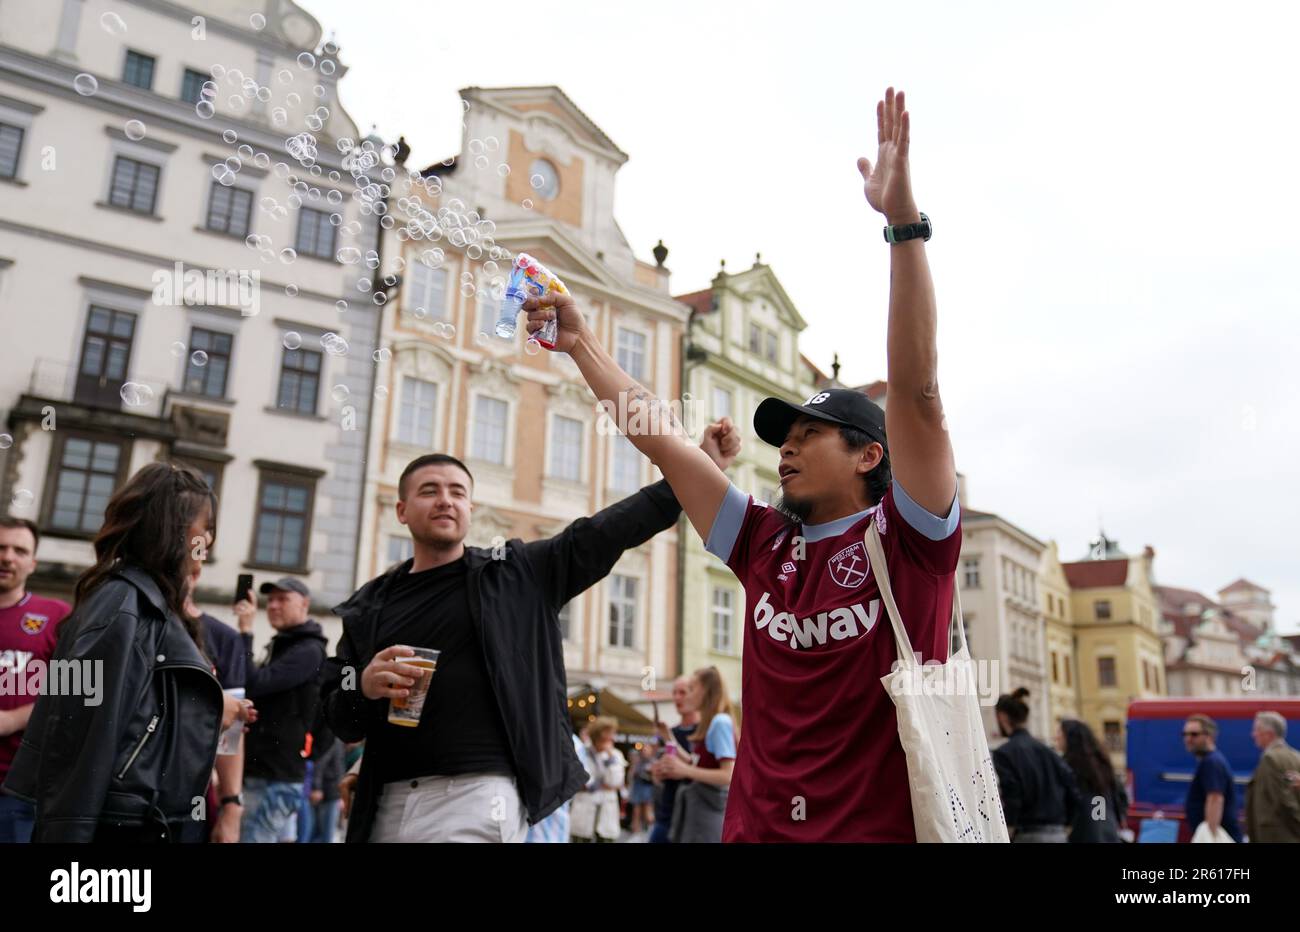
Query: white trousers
<point x="470" y="807"/>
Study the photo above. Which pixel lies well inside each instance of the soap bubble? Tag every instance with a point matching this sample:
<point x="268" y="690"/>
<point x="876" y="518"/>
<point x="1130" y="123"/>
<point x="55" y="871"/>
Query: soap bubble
<point x="291" y="290"/>
<point x="204" y="109"/>
<point x="136" y="394"/>
<point x="178" y="349"/>
<point x="383" y="354"/>
<point x="22" y="499"/>
<point x="134" y="130"/>
<point x="537" y="181"/>
<point x="112" y="24"/>
<point x="503" y="169"/>
<point x="327" y="67"/>
<point x="6" y="441"/>
<point x="199" y="358"/>
<point x="285" y="76"/>
<point x="341" y="304"/>
<point x="527" y="203"/>
<point x="288" y="254"/>
<point x="257" y="21"/>
<point x="340" y="393"/>
<point x="532" y="347"/>
<point x="381" y="392"/>
<point x="292" y="340"/>
<point x="306" y="61"/>
<point x="85" y="84"/>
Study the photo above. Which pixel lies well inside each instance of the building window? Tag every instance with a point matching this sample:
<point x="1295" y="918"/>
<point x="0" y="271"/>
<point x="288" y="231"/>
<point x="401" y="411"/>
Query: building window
<point x="627" y="465"/>
<point x="86" y="472"/>
<point x="229" y="210"/>
<point x="490" y="429"/>
<point x="299" y="380"/>
<point x="192" y="85"/>
<point x="283" y="522"/>
<point x="755" y="339"/>
<point x="1068" y="675"/>
<point x="771" y="346"/>
<point x="1102" y="608"/>
<point x="428" y="290"/>
<point x="1055" y="675"/>
<point x="105" y="356"/>
<point x="545" y="179"/>
<point x="315" y="234"/>
<point x="566" y="620"/>
<point x="971" y="573"/>
<point x="400" y="549"/>
<point x="723" y="614"/>
<point x="1113" y="733"/>
<point x="631" y="353"/>
<point x="138" y="70"/>
<point x="210" y="378"/>
<point x="135" y="185"/>
<point x="416" y="412"/>
<point x="11" y="144"/>
<point x="566" y="449"/>
<point x="721" y="403"/>
<point x="1146" y="676"/>
<point x="622" y="611"/>
<point x="1106" y="671"/>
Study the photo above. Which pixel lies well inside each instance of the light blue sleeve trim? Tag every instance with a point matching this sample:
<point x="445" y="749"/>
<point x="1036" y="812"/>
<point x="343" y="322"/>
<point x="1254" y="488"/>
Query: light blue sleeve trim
<point x="931" y="526"/>
<point x="720" y="740"/>
<point x="726" y="524"/>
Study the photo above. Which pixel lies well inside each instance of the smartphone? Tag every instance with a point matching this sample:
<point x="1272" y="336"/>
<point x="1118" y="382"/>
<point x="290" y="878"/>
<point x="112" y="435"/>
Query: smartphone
<point x="244" y="588"/>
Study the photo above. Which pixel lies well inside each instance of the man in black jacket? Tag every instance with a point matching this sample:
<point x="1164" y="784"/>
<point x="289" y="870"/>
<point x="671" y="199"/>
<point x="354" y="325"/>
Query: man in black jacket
<point x="493" y="751"/>
<point x="284" y="689"/>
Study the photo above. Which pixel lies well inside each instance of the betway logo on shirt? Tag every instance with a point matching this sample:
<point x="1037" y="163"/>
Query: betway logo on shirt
<point x="836" y="624"/>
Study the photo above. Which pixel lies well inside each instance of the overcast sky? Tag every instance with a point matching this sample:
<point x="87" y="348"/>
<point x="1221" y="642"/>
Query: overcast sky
<point x="1113" y="189"/>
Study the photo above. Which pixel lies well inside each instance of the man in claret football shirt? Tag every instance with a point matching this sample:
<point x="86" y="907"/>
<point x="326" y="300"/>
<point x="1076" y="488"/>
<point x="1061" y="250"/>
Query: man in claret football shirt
<point x="819" y="755"/>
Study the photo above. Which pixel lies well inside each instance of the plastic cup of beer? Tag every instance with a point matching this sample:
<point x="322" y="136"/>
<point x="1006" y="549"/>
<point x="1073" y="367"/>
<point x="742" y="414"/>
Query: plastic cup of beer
<point x="229" y="743"/>
<point x="405" y="710"/>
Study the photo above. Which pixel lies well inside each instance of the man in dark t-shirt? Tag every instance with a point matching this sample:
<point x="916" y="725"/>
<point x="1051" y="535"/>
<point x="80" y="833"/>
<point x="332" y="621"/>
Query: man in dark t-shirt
<point x="1212" y="796"/>
<point x="666" y="791"/>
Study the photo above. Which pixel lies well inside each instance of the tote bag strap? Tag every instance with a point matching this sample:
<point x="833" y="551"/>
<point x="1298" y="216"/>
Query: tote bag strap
<point x="876" y="552"/>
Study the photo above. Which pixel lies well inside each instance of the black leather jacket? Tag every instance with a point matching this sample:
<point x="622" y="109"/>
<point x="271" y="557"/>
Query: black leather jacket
<point x="514" y="604"/>
<point x="140" y="755"/>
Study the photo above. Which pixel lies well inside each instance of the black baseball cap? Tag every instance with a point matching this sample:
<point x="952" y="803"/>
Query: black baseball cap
<point x="286" y="584"/>
<point x="773" y="417"/>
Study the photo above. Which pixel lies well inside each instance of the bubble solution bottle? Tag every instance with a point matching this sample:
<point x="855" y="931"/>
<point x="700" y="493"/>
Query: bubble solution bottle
<point x="528" y="279"/>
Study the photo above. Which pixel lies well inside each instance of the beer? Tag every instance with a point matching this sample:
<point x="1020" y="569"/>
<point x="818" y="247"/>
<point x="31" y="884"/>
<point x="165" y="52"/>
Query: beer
<point x="406" y="710"/>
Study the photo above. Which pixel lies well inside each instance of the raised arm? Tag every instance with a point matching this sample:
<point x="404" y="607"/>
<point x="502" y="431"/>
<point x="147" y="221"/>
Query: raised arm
<point x="651" y="424"/>
<point x="919" y="448"/>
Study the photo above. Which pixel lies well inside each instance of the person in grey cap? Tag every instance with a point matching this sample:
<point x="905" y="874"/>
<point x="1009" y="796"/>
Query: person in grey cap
<point x="284" y="687"/>
<point x="821" y="759"/>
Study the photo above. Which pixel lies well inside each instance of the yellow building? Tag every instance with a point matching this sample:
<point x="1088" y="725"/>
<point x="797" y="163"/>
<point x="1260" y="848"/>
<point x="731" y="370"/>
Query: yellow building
<point x="1116" y="618"/>
<point x="538" y="176"/>
<point x="1062" y="659"/>
<point x="742" y="346"/>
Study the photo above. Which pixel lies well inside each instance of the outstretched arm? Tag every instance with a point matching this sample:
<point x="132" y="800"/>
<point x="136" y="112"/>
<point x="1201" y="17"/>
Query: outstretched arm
<point x="648" y="422"/>
<point x="919" y="448"/>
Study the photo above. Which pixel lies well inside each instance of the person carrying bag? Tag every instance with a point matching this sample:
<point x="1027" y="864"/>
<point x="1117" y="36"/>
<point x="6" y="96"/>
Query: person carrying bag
<point x="954" y="786"/>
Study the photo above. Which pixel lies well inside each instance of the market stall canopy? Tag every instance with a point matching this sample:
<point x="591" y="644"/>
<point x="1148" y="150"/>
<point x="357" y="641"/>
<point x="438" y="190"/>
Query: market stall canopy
<point x="587" y="702"/>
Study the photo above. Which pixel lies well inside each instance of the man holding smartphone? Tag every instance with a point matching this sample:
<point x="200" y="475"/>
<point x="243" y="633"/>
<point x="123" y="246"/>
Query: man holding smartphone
<point x="285" y="689"/>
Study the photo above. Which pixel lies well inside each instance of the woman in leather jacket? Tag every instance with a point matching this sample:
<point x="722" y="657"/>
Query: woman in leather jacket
<point x="125" y="754"/>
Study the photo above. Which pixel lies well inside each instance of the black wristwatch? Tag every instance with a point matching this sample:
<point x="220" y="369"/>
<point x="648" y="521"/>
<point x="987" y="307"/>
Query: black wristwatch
<point x="237" y="799"/>
<point x="902" y="232"/>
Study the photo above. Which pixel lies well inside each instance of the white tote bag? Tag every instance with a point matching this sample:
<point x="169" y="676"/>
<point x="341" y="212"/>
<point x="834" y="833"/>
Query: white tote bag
<point x="955" y="794"/>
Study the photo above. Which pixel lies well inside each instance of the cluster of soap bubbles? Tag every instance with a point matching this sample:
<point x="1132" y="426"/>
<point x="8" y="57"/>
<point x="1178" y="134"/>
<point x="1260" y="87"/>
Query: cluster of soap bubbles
<point x="266" y="248"/>
<point x="136" y="394"/>
<point x="481" y="149"/>
<point x="334" y="344"/>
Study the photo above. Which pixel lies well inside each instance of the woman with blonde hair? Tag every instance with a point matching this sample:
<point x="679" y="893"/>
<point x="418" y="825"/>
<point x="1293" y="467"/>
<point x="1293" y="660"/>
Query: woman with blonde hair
<point x="594" y="814"/>
<point x="700" y="805"/>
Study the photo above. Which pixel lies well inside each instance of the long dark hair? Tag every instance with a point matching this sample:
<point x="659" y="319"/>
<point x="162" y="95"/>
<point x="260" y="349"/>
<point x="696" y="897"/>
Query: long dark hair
<point x="1086" y="758"/>
<point x="145" y="525"/>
